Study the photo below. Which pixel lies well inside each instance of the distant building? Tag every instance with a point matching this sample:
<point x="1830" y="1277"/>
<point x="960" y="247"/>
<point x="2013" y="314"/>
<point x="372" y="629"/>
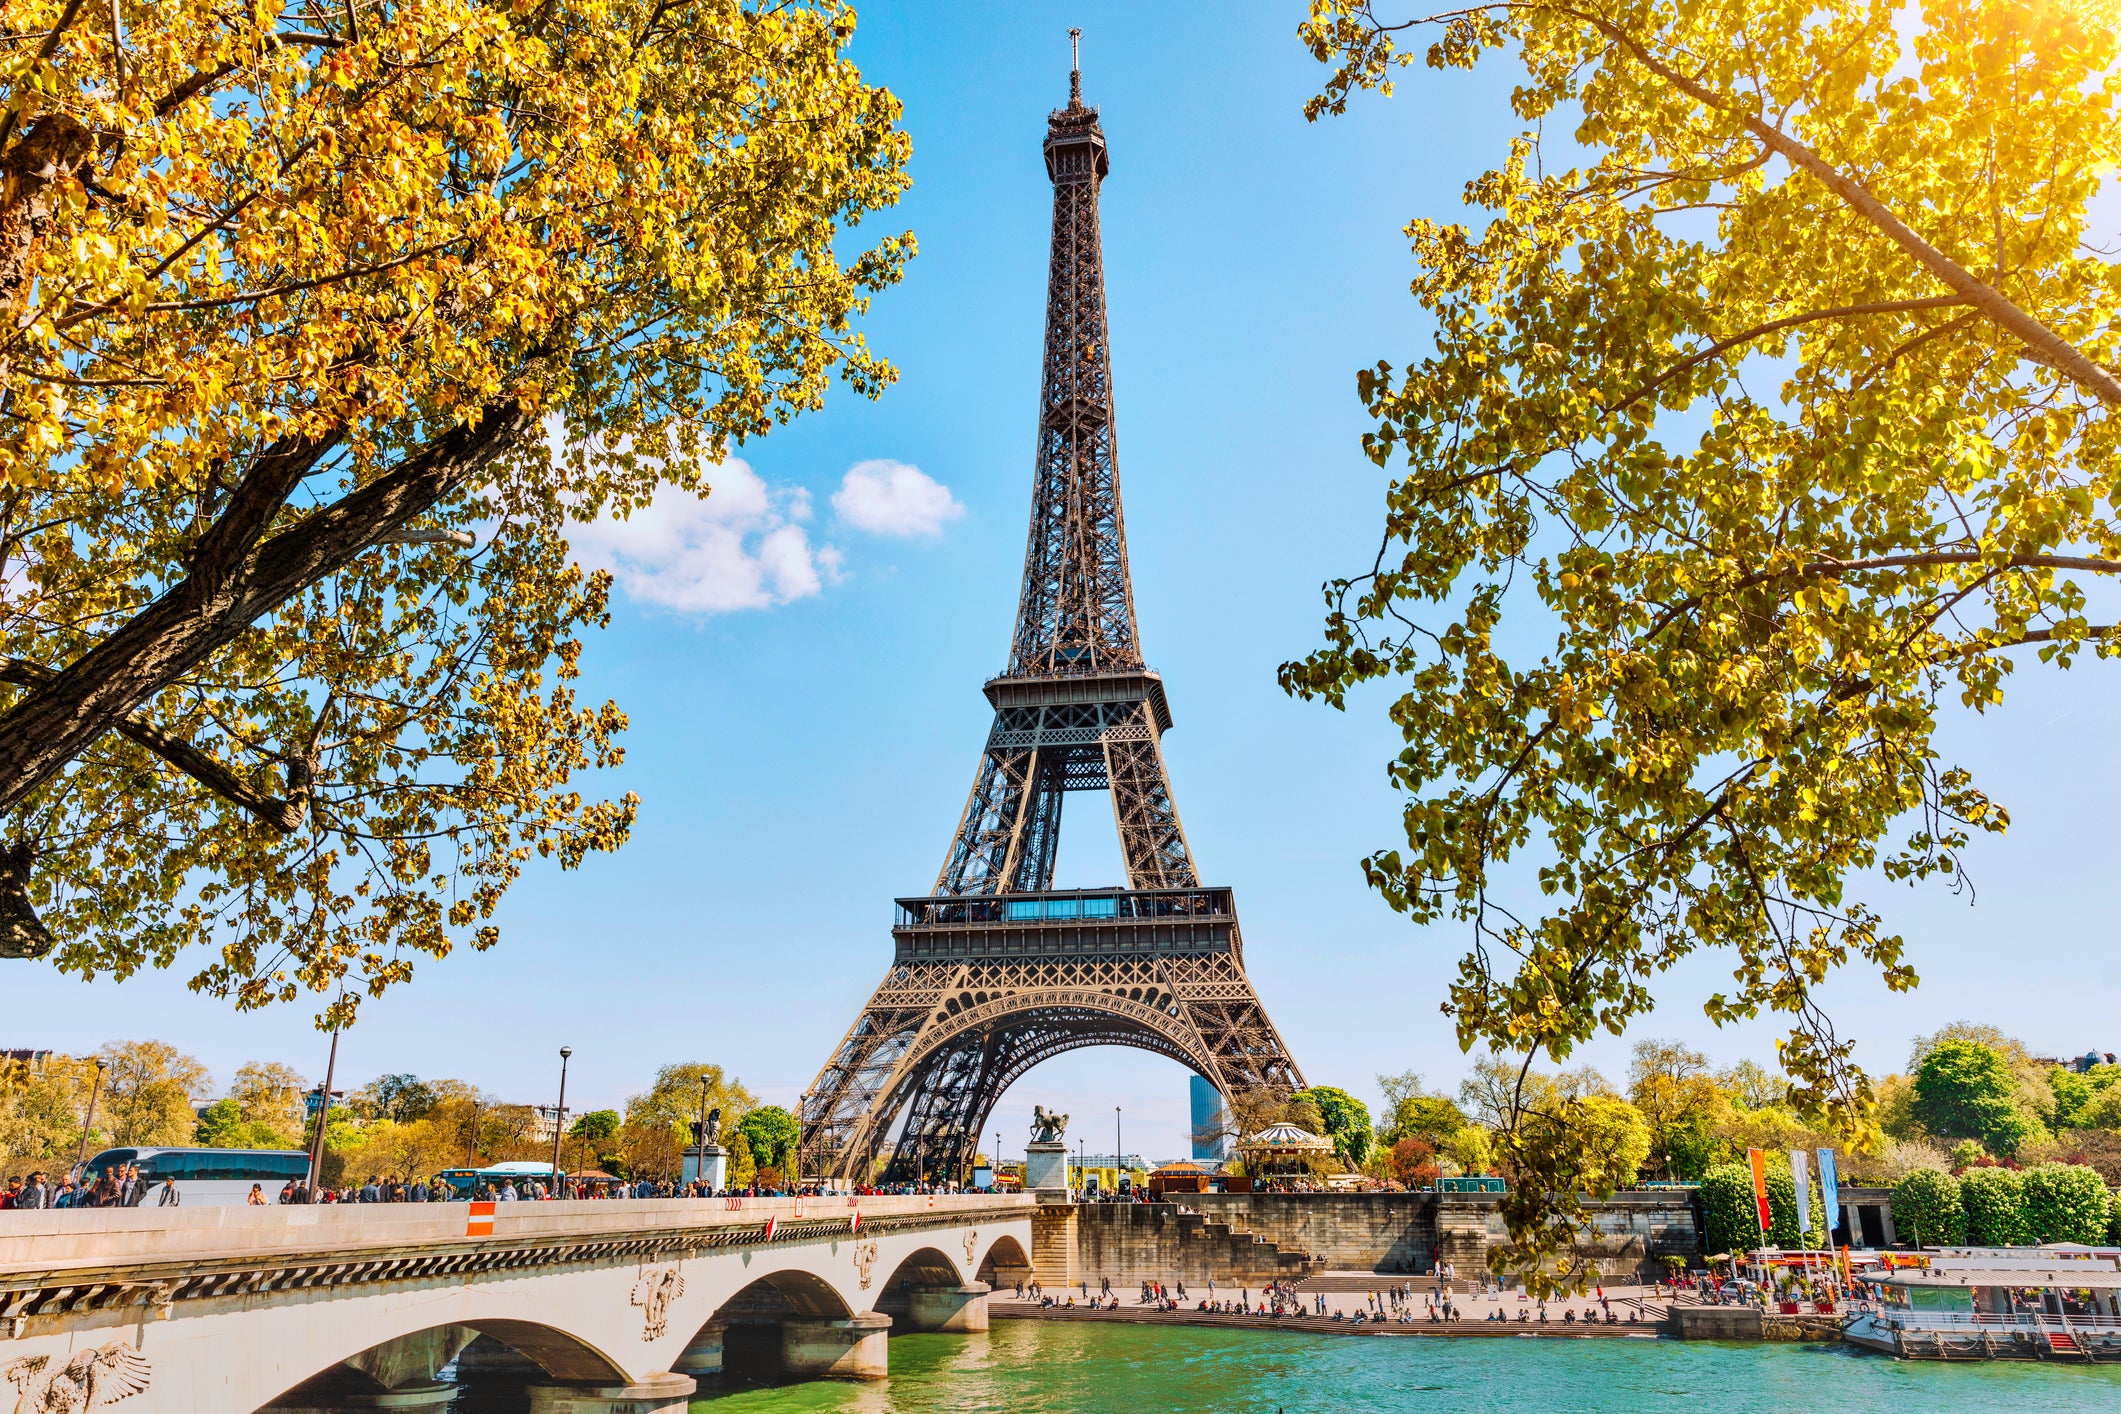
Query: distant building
<point x="546" y="1127"/>
<point x="2079" y="1064"/>
<point x="1210" y="1143"/>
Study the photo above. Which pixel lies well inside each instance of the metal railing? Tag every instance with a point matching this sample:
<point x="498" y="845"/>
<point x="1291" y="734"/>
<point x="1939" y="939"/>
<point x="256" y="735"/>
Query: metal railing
<point x="1984" y="1320"/>
<point x="1071" y="906"/>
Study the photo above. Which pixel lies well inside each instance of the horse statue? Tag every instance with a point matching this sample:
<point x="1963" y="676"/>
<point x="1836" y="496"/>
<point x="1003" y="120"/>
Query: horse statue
<point x="1046" y="1128"/>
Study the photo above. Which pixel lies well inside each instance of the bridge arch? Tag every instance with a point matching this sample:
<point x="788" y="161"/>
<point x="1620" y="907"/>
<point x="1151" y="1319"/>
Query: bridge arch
<point x="929" y="1266"/>
<point x="1004" y="1263"/>
<point x="789" y="1292"/>
<point x="413" y="1357"/>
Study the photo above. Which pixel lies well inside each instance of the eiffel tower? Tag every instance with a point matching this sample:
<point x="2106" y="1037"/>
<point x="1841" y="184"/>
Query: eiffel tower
<point x="995" y="970"/>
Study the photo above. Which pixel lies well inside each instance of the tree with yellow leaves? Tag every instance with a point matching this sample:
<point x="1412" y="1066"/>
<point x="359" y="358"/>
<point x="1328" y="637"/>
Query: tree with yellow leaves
<point x="322" y="323"/>
<point x="1770" y="412"/>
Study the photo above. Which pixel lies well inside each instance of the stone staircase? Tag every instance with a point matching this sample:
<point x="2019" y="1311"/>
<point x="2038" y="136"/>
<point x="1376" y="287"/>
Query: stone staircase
<point x="1127" y="1243"/>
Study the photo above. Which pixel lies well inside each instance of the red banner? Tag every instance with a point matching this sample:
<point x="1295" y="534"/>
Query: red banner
<point x="1758" y="1160"/>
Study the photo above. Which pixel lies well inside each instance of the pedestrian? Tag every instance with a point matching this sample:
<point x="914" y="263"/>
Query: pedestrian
<point x="257" y="1196"/>
<point x="171" y="1198"/>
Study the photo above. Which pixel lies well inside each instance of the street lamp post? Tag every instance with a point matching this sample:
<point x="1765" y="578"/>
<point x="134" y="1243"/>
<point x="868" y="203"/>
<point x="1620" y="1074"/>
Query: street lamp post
<point x="95" y="1088"/>
<point x="559" y="1125"/>
<point x="1119" y="1159"/>
<point x="316" y="1141"/>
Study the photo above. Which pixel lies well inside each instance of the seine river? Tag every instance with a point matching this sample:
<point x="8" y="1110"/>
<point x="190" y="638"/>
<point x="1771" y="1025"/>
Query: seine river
<point x="1033" y="1367"/>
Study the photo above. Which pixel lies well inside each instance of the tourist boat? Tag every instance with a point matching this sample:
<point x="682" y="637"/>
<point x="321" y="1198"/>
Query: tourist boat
<point x="1996" y="1303"/>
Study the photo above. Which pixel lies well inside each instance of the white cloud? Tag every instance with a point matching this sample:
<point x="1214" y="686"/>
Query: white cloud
<point x="741" y="547"/>
<point x="892" y="498"/>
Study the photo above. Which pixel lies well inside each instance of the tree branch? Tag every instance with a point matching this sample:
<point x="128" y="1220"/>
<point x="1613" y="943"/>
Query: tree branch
<point x="1759" y="330"/>
<point x="282" y="815"/>
<point x="1833" y="569"/>
<point x="229" y="590"/>
<point x="2051" y="347"/>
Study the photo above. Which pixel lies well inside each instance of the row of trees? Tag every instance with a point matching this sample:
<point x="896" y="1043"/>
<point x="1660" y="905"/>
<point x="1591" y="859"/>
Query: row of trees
<point x="1992" y="1206"/>
<point x="1970" y="1096"/>
<point x="149" y="1093"/>
<point x="398" y="1124"/>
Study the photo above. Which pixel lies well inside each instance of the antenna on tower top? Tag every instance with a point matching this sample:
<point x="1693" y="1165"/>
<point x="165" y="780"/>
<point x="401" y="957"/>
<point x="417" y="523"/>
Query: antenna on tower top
<point x="1075" y="66"/>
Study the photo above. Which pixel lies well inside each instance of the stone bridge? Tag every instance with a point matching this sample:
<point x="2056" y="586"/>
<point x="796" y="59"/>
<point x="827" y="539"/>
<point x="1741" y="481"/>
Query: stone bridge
<point x="609" y="1307"/>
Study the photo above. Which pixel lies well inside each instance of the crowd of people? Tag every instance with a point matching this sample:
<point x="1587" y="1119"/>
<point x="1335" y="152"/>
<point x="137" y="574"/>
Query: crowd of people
<point x="123" y="1186"/>
<point x="1402" y="1304"/>
<point x="119" y="1186"/>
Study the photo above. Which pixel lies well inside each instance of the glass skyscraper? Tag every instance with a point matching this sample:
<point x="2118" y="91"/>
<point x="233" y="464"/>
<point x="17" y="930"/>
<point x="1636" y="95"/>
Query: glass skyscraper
<point x="1210" y="1144"/>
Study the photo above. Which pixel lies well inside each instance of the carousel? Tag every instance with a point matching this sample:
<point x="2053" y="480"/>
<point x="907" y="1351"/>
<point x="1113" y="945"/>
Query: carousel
<point x="1283" y="1153"/>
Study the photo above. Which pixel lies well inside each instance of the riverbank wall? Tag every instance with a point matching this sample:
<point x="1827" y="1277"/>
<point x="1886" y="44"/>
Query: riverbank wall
<point x="1256" y="1237"/>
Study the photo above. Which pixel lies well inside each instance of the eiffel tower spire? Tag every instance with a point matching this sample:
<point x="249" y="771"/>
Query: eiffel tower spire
<point x="994" y="971"/>
<point x="1077" y="708"/>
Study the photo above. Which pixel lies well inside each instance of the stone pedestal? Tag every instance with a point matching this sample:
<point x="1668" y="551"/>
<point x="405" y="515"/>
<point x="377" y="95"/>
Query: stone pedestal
<point x="666" y="1393"/>
<point x="1053" y="1234"/>
<point x="711" y="1163"/>
<point x="857" y="1348"/>
<point x="703" y="1353"/>
<point x="958" y="1310"/>
<point x="1046" y="1168"/>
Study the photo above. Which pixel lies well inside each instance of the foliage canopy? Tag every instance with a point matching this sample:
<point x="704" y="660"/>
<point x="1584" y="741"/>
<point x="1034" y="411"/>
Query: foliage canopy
<point x="324" y="323"/>
<point x="1770" y="412"/>
<point x="1740" y="696"/>
<point x="1964" y="1089"/>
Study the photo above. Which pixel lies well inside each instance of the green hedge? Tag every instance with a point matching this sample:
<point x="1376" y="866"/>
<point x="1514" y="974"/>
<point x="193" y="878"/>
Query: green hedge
<point x="2065" y="1203"/>
<point x="1734" y="1222"/>
<point x="1727" y="1207"/>
<point x="1994" y="1199"/>
<point x="1927" y="1207"/>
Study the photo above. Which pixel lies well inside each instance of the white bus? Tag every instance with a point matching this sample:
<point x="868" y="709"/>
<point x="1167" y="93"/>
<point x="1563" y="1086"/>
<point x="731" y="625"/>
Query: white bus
<point x="207" y="1178"/>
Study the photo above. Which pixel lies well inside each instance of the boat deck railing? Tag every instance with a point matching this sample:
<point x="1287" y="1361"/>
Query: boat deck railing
<point x="1947" y="1321"/>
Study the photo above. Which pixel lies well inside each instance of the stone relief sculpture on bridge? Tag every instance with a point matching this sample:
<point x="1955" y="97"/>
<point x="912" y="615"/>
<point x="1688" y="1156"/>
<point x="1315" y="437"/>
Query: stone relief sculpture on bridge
<point x="865" y="1261"/>
<point x="1047" y="1128"/>
<point x="971" y="1242"/>
<point x="90" y="1380"/>
<point x="653" y="1293"/>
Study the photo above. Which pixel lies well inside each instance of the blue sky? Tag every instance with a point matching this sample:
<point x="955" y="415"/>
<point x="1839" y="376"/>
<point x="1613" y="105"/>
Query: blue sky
<point x="803" y="761"/>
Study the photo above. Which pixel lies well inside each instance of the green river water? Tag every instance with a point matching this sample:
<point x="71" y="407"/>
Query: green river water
<point x="1032" y="1367"/>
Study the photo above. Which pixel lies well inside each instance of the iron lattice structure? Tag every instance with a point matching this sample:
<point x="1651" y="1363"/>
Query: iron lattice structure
<point x="995" y="971"/>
